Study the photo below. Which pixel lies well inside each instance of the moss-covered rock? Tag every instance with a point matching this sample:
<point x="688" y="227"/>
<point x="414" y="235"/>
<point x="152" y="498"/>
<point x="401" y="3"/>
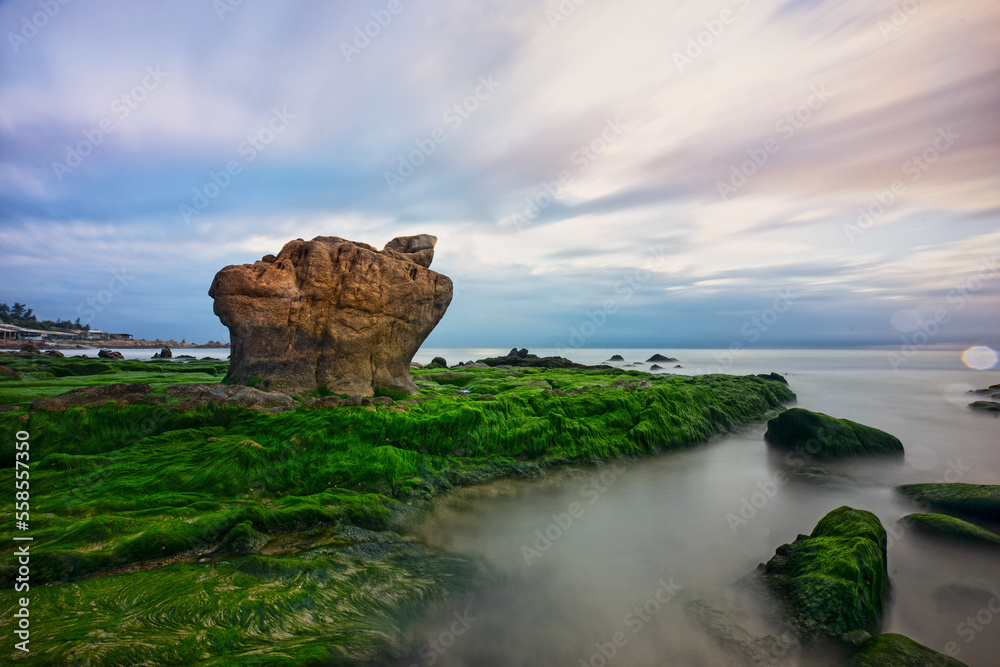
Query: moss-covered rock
<point x="980" y="500"/>
<point x="898" y="651"/>
<point x="821" y="435"/>
<point x="242" y="539"/>
<point x="833" y="581"/>
<point x="948" y="526"/>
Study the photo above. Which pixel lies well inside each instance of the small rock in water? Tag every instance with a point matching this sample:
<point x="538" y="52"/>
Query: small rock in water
<point x="828" y="437"/>
<point x="617" y="357"/>
<point x="659" y="357"/>
<point x="773" y="376"/>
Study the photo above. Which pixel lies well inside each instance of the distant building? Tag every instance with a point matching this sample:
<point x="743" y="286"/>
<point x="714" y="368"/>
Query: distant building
<point x="8" y="332"/>
<point x="11" y="332"/>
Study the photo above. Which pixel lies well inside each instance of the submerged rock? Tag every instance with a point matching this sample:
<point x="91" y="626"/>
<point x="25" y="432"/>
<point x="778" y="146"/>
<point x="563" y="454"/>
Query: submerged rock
<point x="821" y="435"/>
<point x="948" y="526"/>
<point x="617" y="357"/>
<point x="898" y="651"/>
<point x="110" y="354"/>
<point x="832" y="582"/>
<point x="980" y="500"/>
<point x="331" y="313"/>
<point x="824" y="477"/>
<point x="987" y="406"/>
<point x="659" y="357"/>
<point x="756" y="652"/>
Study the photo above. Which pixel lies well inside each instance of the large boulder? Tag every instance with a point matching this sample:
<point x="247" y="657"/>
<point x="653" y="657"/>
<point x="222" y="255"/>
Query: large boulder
<point x="832" y="583"/>
<point x="331" y="313"/>
<point x="821" y="435"/>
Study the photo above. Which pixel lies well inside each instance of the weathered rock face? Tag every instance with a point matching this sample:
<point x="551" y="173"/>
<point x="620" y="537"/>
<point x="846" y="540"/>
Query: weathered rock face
<point x="331" y="313"/>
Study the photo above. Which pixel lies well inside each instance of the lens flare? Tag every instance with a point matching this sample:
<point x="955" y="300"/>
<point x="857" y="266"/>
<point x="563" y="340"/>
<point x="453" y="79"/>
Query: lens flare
<point x="980" y="357"/>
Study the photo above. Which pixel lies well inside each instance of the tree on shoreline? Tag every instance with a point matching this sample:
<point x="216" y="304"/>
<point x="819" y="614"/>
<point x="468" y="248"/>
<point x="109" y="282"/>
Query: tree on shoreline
<point x="20" y="315"/>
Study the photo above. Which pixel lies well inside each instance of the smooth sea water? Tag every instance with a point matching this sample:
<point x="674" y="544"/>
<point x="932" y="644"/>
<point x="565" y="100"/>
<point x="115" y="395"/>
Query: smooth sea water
<point x="699" y="520"/>
<point x="690" y="524"/>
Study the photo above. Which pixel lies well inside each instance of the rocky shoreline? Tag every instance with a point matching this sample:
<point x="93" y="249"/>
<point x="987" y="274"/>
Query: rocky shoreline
<point x="161" y="478"/>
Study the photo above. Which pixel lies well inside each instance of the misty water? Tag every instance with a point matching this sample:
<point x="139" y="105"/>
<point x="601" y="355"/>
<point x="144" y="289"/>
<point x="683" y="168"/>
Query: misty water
<point x="652" y="535"/>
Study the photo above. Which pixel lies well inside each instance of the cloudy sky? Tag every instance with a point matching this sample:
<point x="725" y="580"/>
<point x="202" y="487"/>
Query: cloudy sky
<point x="671" y="171"/>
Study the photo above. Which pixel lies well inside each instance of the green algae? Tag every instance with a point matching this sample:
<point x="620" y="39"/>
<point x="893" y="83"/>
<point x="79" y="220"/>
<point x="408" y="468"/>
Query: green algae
<point x="821" y="435"/>
<point x="832" y="582"/>
<point x="129" y="500"/>
<point x="947" y="526"/>
<point x="977" y="500"/>
<point x="321" y="606"/>
<point x="898" y="651"/>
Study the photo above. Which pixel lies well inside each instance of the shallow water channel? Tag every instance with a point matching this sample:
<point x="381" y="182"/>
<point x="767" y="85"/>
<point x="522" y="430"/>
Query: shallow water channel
<point x="598" y="563"/>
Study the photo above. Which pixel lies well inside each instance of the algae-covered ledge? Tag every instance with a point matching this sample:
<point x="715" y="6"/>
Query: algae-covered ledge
<point x="151" y="495"/>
